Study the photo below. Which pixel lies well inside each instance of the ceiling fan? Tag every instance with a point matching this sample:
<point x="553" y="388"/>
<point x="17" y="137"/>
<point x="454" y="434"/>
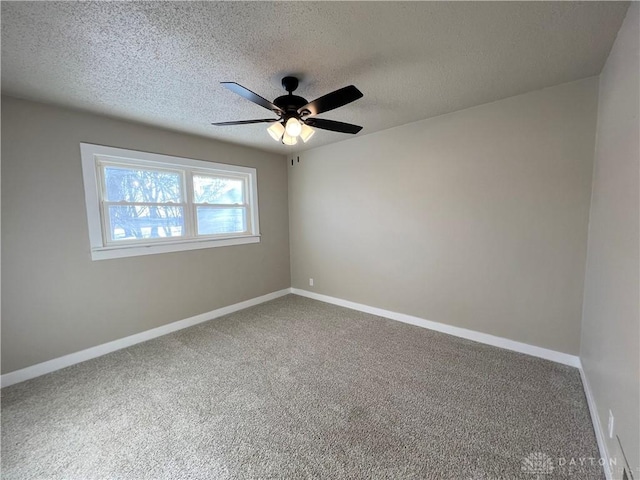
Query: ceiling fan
<point x="296" y="115"/>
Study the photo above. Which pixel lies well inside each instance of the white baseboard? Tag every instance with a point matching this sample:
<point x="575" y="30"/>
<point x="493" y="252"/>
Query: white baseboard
<point x="597" y="426"/>
<point x="99" y="350"/>
<point x="559" y="357"/>
<point x="77" y="357"/>
<point x="554" y="356"/>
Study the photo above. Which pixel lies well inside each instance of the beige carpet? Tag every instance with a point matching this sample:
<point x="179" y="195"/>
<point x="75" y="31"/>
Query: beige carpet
<point x="296" y="388"/>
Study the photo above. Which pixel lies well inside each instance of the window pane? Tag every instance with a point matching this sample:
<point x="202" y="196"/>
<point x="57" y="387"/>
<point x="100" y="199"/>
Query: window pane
<point x="208" y="189"/>
<point x="137" y="185"/>
<point x="213" y="221"/>
<point x="131" y="222"/>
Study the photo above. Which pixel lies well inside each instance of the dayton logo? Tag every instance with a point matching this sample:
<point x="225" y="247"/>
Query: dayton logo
<point x="538" y="464"/>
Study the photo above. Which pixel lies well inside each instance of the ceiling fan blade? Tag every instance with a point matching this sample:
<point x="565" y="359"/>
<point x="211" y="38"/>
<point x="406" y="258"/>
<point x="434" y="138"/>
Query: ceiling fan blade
<point x="252" y="97"/>
<point x="245" y="122"/>
<point x="332" y="125"/>
<point x="332" y="100"/>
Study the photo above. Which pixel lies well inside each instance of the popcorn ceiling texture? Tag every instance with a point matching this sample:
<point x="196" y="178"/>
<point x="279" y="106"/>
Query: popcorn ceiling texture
<point x="161" y="62"/>
<point x="296" y="388"/>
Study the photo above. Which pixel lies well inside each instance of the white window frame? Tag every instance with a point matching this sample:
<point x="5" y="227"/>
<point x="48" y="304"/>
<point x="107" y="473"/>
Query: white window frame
<point x="95" y="157"/>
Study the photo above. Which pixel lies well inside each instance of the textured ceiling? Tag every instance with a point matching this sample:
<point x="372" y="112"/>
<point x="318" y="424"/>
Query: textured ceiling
<point x="161" y="62"/>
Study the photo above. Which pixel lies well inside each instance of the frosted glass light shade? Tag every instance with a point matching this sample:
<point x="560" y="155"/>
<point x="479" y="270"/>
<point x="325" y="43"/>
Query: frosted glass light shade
<point x="276" y="131"/>
<point x="306" y="133"/>
<point x="293" y="127"/>
<point x="288" y="139"/>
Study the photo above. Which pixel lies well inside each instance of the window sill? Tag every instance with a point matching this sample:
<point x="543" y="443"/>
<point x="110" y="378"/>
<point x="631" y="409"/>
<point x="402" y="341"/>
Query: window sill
<point x="121" y="251"/>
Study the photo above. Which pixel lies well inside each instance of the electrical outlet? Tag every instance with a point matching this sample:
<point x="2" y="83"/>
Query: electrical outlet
<point x="610" y="424"/>
<point x="311" y="282"/>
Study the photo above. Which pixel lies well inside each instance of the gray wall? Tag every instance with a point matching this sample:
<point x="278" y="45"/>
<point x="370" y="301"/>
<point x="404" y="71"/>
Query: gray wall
<point x="476" y="219"/>
<point x="610" y="350"/>
<point x="55" y="300"/>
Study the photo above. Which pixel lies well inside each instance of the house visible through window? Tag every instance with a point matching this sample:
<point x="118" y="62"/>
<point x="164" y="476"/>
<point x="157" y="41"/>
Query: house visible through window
<point x="140" y="203"/>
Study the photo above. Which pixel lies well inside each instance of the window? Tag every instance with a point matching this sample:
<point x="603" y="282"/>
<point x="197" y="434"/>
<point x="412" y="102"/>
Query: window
<point x="142" y="203"/>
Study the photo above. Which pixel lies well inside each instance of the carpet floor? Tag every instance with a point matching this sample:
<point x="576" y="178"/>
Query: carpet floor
<point x="296" y="388"/>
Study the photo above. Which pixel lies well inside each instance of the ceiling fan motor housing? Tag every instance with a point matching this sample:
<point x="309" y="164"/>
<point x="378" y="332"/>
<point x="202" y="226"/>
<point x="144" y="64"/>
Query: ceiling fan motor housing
<point x="290" y="103"/>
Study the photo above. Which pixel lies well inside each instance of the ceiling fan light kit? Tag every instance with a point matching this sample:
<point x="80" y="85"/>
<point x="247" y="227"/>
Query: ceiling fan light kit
<point x="288" y="139"/>
<point x="306" y="133"/>
<point x="293" y="127"/>
<point x="296" y="115"/>
<point x="276" y="131"/>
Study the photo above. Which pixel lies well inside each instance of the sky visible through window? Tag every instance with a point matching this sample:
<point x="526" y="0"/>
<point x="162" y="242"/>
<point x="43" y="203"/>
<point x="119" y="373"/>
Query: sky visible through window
<point x="150" y="203"/>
